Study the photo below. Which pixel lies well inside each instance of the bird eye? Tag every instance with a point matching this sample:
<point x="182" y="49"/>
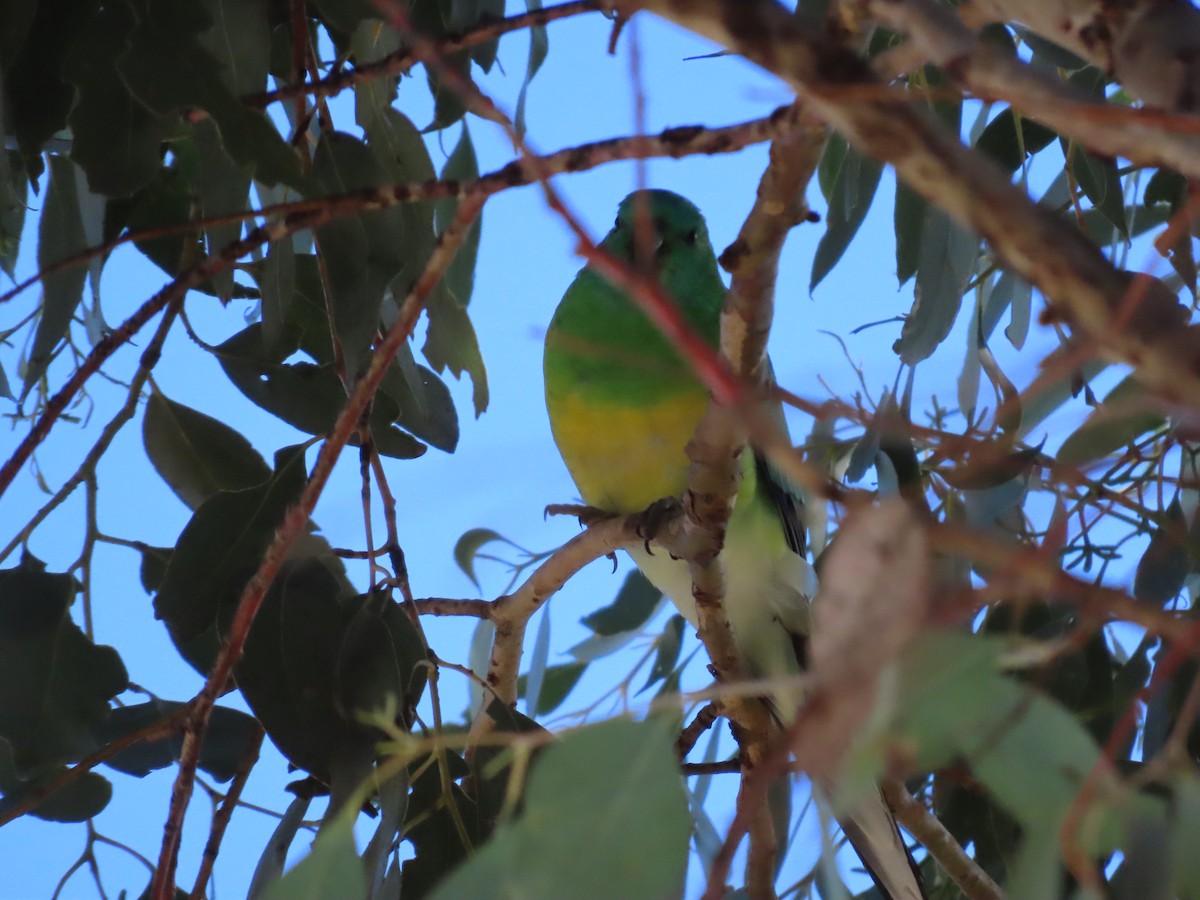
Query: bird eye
<point x="690" y="237"/>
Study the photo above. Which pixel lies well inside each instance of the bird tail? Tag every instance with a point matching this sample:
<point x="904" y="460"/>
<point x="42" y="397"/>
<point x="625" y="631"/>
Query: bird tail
<point x="871" y="829"/>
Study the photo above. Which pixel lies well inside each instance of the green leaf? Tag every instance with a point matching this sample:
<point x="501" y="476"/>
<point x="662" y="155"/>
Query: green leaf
<point x="538" y="657"/>
<point x="1166" y="186"/>
<point x="1008" y="145"/>
<point x="947" y="260"/>
<point x="1121" y="418"/>
<point x="332" y="869"/>
<point x="78" y="801"/>
<point x="227" y="739"/>
<point x="304" y="395"/>
<point x="851" y="188"/>
<point x="117" y="141"/>
<point x="277" y="284"/>
<point x="633" y="839"/>
<point x="14" y="187"/>
<point x="1166" y="562"/>
<point x="362" y="253"/>
<point x="169" y="68"/>
<point x="1098" y="179"/>
<point x="635" y="604"/>
<point x="425" y="406"/>
<point x="448" y="103"/>
<point x="54" y="682"/>
<point x="382" y="658"/>
<point x="60" y="236"/>
<point x="557" y="684"/>
<point x="239" y="39"/>
<point x="224" y="187"/>
<point x="909" y="221"/>
<point x="539" y="46"/>
<point x="197" y="455"/>
<point x="216" y="554"/>
<point x="450" y="343"/>
<point x="36" y="99"/>
<point x="289" y="673"/>
<point x="462" y="165"/>
<point x="345" y="15"/>
<point x="467" y="548"/>
<point x="667" y="646"/>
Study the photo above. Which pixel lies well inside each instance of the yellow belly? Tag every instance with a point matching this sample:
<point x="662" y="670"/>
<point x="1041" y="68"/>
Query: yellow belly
<point x="624" y="458"/>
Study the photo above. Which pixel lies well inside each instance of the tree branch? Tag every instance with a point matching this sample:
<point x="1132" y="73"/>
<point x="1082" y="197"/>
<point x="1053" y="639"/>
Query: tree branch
<point x="975" y="883"/>
<point x="1134" y="319"/>
<point x="1145" y="137"/>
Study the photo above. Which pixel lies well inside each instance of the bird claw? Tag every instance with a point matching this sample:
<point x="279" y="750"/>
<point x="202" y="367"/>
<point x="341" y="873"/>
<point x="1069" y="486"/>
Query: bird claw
<point x="587" y="515"/>
<point x="652" y="519"/>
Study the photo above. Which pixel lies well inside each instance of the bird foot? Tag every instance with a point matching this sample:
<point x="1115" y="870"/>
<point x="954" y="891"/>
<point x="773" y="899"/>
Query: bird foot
<point x="657" y="514"/>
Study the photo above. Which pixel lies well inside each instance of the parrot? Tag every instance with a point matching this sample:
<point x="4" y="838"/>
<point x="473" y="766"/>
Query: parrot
<point x="623" y="404"/>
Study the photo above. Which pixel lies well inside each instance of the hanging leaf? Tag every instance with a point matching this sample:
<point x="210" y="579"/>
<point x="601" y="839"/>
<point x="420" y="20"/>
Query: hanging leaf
<point x="305" y="395"/>
<point x="634" y="840"/>
<point x="467" y="548"/>
<point x="197" y="455"/>
<point x="60" y="236"/>
<point x="557" y="684"/>
<point x="849" y="180"/>
<point x="117" y="141"/>
<point x="54" y="681"/>
<point x="947" y="261"/>
<point x="1167" y="560"/>
<point x="1125" y="414"/>
<point x="539" y="46"/>
<point x="362" y="253"/>
<point x="168" y="68"/>
<point x="83" y="798"/>
<point x="909" y="221"/>
<point x="332" y="869"/>
<point x="227" y="739"/>
<point x="1009" y="145"/>
<point x="1098" y="179"/>
<point x="634" y="606"/>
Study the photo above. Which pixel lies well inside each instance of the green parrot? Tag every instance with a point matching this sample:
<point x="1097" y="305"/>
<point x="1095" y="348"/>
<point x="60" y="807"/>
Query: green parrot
<point x="623" y="404"/>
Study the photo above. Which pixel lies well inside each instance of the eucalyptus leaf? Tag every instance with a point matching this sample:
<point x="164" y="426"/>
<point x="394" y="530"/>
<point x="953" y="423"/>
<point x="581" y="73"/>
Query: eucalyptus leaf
<point x="197" y="455"/>
<point x="851" y="188"/>
<point x="634" y="840"/>
<point x="634" y="606"/>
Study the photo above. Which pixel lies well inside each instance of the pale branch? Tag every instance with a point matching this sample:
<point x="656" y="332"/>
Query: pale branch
<point x="1145" y="137"/>
<point x="1133" y="319"/>
<point x="295" y="523"/>
<point x="511" y="613"/>
<point x="444" y="606"/>
<point x="87" y="468"/>
<point x="716" y="448"/>
<point x="224" y="812"/>
<point x="975" y="883"/>
<point x="671" y="143"/>
<point x="402" y="60"/>
<point x="1152" y="47"/>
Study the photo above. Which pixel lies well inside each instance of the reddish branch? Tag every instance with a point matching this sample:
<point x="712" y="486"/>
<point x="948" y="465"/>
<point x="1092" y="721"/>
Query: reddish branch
<point x="293" y="526"/>
<point x="402" y="60"/>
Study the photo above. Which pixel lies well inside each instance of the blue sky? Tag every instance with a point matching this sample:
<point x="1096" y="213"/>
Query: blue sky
<point x="506" y="469"/>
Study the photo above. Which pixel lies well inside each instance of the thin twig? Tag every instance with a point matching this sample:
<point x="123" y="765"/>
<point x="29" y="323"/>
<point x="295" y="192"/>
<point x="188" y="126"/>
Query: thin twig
<point x="294" y="523"/>
<point x="224" y="813"/>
